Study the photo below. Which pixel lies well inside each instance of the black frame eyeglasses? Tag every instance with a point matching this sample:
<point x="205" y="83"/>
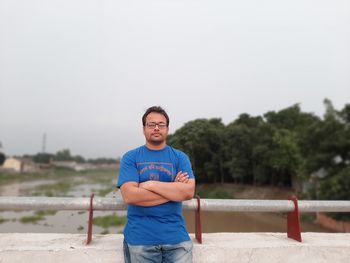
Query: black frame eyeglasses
<point x="153" y="125"/>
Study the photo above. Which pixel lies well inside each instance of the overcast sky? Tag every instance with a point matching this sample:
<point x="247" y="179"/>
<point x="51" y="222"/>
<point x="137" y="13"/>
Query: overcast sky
<point x="84" y="71"/>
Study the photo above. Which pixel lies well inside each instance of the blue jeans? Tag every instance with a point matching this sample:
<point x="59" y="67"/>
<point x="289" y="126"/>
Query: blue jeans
<point x="179" y="253"/>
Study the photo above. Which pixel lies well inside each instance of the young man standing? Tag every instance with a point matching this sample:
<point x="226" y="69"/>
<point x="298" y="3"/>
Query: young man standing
<point x="154" y="179"/>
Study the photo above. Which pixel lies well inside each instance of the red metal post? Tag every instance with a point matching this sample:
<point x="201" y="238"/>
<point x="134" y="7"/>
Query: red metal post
<point x="91" y="215"/>
<point x="293" y="221"/>
<point x="198" y="221"/>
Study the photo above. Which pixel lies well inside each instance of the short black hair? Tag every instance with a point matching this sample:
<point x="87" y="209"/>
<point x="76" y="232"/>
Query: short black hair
<point x="156" y="109"/>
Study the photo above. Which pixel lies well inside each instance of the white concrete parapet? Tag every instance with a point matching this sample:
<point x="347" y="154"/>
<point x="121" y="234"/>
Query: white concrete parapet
<point x="217" y="247"/>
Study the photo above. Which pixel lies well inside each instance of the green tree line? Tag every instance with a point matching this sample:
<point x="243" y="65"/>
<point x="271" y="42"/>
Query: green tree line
<point x="65" y="155"/>
<point x="287" y="148"/>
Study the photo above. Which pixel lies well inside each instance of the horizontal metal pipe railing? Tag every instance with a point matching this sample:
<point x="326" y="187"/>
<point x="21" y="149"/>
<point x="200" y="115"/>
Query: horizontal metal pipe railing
<point x="11" y="203"/>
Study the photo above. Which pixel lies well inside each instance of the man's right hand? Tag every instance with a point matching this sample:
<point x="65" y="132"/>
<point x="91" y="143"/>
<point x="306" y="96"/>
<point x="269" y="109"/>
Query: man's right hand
<point x="182" y="177"/>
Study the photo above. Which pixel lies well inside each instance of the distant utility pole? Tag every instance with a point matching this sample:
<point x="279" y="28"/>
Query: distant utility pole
<point x="44" y="143"/>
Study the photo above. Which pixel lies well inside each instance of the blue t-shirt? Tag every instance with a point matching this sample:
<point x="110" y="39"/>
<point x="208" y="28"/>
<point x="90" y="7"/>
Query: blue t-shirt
<point x="160" y="224"/>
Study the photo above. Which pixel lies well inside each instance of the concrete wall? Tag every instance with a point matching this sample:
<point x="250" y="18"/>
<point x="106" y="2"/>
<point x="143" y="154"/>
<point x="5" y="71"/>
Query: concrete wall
<point x="20" y="165"/>
<point x="14" y="164"/>
<point x="218" y="247"/>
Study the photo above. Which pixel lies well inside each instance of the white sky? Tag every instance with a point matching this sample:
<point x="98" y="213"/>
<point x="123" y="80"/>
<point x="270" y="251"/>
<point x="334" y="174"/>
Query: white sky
<point x="83" y="72"/>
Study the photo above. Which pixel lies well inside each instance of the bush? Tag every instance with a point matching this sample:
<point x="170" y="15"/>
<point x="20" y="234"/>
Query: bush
<point x="2" y="158"/>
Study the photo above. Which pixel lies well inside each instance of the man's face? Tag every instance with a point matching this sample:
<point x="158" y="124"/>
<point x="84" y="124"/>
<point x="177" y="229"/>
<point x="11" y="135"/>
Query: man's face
<point x="156" y="129"/>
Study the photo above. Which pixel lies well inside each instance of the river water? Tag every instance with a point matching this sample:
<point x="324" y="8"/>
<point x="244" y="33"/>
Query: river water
<point x="76" y="221"/>
<point x="61" y="221"/>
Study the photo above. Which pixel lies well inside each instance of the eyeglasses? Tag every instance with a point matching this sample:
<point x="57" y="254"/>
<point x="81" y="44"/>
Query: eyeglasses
<point x="153" y="125"/>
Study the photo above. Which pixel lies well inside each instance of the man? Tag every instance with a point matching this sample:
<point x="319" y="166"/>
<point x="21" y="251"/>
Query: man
<point x="153" y="180"/>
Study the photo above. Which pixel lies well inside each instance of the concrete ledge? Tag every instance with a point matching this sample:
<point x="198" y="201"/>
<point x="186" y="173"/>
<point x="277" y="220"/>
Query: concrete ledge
<point x="217" y="247"/>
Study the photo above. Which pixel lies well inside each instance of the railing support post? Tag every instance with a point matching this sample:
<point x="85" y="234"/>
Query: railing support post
<point x="293" y="221"/>
<point x="91" y="215"/>
<point x="198" y="221"/>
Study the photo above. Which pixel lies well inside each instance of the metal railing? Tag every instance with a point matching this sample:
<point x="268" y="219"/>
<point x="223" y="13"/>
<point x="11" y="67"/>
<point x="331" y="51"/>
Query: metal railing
<point x="292" y="207"/>
<point x="11" y="203"/>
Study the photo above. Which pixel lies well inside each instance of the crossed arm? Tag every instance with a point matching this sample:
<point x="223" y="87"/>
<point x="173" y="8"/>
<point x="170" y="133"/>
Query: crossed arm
<point x="152" y="193"/>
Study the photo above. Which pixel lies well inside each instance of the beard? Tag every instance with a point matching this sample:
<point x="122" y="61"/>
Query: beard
<point x="156" y="141"/>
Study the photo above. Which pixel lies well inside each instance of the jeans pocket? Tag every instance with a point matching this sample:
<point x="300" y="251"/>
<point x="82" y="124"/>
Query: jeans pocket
<point x="187" y="245"/>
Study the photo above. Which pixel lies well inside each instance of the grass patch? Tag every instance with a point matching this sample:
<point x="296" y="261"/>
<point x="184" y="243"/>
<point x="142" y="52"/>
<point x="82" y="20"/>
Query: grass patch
<point x="3" y="220"/>
<point x="60" y="188"/>
<point x="102" y="175"/>
<point x="104" y="192"/>
<point x="8" y="177"/>
<point x="31" y="219"/>
<point x="46" y="212"/>
<point x="110" y="220"/>
<point x="38" y="216"/>
<point x="66" y="180"/>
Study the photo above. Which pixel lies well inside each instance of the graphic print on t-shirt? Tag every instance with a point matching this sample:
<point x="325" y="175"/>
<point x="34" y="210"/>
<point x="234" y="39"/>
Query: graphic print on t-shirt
<point x="156" y="171"/>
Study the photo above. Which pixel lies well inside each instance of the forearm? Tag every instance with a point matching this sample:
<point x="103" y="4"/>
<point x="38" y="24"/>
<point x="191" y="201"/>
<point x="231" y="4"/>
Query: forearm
<point x="134" y="195"/>
<point x="174" y="191"/>
<point x="160" y="201"/>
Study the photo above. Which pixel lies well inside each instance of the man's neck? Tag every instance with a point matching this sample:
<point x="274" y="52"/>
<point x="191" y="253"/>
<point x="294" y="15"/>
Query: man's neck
<point x="155" y="146"/>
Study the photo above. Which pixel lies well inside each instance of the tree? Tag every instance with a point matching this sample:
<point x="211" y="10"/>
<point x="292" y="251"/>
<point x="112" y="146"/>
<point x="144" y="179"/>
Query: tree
<point x="281" y="148"/>
<point x="336" y="186"/>
<point x="63" y="155"/>
<point x="285" y="157"/>
<point x="202" y="140"/>
<point x="327" y="149"/>
<point x="290" y="144"/>
<point x="238" y="149"/>
<point x="247" y="145"/>
<point x="2" y="158"/>
<point x="43" y="158"/>
<point x="78" y="159"/>
<point x="291" y="118"/>
<point x="104" y="161"/>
